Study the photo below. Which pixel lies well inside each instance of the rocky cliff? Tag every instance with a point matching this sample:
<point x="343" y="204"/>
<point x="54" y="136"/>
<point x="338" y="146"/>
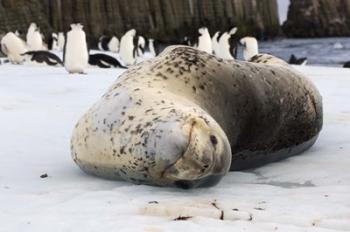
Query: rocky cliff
<point x="318" y="18"/>
<point x="167" y="20"/>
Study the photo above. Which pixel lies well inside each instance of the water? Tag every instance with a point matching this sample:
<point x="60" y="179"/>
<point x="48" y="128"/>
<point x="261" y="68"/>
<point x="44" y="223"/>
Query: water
<point x="325" y="51"/>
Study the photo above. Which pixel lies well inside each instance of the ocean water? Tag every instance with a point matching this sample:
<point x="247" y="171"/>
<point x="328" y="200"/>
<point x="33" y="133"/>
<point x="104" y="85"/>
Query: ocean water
<point x="326" y="52"/>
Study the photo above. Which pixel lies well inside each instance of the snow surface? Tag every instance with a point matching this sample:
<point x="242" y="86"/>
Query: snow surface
<point x="39" y="107"/>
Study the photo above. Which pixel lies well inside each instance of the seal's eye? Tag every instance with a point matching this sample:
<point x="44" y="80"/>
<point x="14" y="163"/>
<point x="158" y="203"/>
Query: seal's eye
<point x="213" y="140"/>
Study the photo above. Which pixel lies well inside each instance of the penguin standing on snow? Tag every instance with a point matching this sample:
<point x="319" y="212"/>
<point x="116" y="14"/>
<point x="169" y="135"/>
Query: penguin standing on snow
<point x="139" y="45"/>
<point x="127" y="47"/>
<point x="43" y="57"/>
<point x="153" y="49"/>
<point x="225" y="46"/>
<point x="107" y="43"/>
<point x="215" y="43"/>
<point x="102" y="43"/>
<point x="204" y="40"/>
<point x="34" y="38"/>
<point x="250" y="49"/>
<point x="13" y="47"/>
<point x="104" y="61"/>
<point x="53" y="42"/>
<point x="75" y="54"/>
<point x="61" y="41"/>
<point x="113" y="44"/>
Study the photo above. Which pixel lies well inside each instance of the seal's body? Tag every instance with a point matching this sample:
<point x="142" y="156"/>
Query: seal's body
<point x="185" y="118"/>
<point x="75" y="53"/>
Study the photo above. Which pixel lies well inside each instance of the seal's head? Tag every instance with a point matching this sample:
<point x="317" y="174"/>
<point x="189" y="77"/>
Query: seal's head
<point x="191" y="153"/>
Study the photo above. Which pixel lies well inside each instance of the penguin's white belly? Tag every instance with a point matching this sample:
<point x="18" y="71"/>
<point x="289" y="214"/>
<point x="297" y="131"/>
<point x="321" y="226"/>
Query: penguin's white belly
<point x="76" y="58"/>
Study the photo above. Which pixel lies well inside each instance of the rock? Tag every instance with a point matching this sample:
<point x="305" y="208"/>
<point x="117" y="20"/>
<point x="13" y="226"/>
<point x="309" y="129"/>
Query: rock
<point x="318" y="18"/>
<point x="167" y="20"/>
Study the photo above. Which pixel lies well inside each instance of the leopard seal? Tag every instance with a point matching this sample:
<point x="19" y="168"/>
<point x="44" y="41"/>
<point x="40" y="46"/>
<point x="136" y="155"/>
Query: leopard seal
<point x="185" y="118"/>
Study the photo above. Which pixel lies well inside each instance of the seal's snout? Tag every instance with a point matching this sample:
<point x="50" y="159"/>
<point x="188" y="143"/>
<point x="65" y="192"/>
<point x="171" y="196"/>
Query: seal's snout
<point x="205" y="160"/>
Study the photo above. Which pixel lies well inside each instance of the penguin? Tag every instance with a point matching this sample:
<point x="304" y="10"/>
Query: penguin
<point x="45" y="57"/>
<point x="61" y="41"/>
<point x="225" y="48"/>
<point x="126" y="50"/>
<point x="346" y="65"/>
<point x="113" y="44"/>
<point x="32" y="27"/>
<point x="34" y="38"/>
<point x="215" y="43"/>
<point x="106" y="43"/>
<point x="104" y="61"/>
<point x="75" y="54"/>
<point x="53" y="42"/>
<point x="139" y="45"/>
<point x="250" y="49"/>
<point x="186" y="41"/>
<point x="204" y="40"/>
<point x="13" y="46"/>
<point x="152" y="48"/>
<point x="298" y="61"/>
<point x="18" y="33"/>
<point x="102" y="43"/>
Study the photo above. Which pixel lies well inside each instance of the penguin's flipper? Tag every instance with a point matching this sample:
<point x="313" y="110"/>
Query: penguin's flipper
<point x="103" y="64"/>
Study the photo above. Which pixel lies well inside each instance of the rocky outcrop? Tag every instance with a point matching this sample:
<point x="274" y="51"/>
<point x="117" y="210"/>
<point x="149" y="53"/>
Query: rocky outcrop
<point x="166" y="20"/>
<point x="318" y="18"/>
<point x="17" y="15"/>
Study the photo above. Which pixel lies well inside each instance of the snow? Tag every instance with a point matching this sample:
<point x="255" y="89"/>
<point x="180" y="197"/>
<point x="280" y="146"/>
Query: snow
<point x="39" y="107"/>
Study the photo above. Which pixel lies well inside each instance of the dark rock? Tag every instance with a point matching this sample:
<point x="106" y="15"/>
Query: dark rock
<point x="318" y="18"/>
<point x="168" y="21"/>
<point x="44" y="175"/>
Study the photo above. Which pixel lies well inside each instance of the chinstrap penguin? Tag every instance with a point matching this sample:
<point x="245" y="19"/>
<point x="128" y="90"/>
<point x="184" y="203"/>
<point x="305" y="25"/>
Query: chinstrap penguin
<point x="250" y="49"/>
<point x="225" y="48"/>
<point x="126" y="50"/>
<point x="13" y="46"/>
<point x="75" y="55"/>
<point x="104" y="61"/>
<point x="43" y="57"/>
<point x="298" y="61"/>
<point x="204" y="40"/>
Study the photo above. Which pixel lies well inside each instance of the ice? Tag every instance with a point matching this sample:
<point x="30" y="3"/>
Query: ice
<point x="39" y="107"/>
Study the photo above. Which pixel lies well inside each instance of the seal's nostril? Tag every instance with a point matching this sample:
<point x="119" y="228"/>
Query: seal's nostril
<point x="213" y="140"/>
